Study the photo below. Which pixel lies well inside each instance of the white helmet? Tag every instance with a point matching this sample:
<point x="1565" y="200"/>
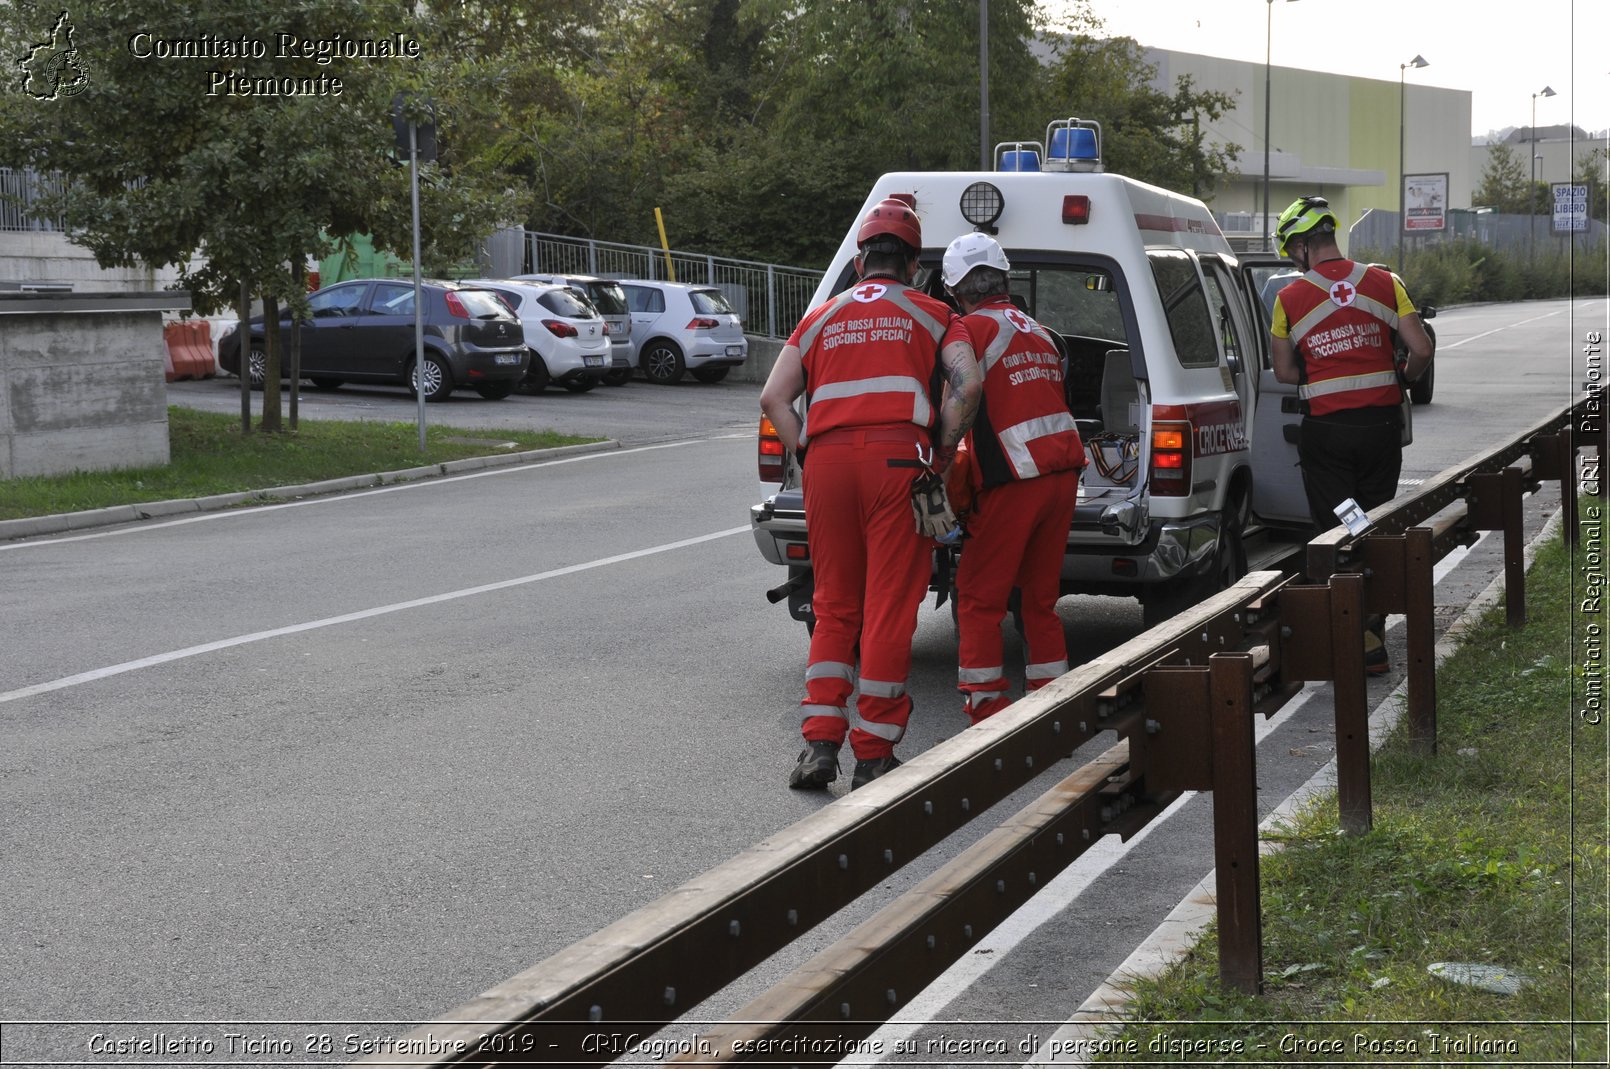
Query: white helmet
<point x="970" y="251"/>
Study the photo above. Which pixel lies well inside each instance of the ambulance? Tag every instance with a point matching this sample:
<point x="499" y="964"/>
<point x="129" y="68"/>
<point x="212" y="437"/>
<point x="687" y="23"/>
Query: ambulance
<point x="1191" y="442"/>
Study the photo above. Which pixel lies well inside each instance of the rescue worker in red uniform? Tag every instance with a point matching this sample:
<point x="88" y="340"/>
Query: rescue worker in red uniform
<point x="1333" y="338"/>
<point x="872" y="364"/>
<point x="1028" y="457"/>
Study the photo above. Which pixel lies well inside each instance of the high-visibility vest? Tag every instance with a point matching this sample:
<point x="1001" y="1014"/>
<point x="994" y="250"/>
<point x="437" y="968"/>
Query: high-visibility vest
<point x="1342" y="321"/>
<point x="1023" y="428"/>
<point x="871" y="358"/>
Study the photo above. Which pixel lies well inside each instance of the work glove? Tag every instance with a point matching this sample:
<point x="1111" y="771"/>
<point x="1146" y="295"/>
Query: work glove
<point x="935" y="518"/>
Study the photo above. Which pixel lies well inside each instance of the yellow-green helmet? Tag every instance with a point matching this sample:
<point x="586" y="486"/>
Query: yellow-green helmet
<point x="1304" y="215"/>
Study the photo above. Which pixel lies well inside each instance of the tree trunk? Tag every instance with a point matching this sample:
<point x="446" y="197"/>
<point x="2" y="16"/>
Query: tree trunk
<point x="297" y="270"/>
<point x="270" y="423"/>
<point x="244" y="333"/>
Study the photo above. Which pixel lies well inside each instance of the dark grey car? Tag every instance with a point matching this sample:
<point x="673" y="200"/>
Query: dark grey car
<point x="363" y="331"/>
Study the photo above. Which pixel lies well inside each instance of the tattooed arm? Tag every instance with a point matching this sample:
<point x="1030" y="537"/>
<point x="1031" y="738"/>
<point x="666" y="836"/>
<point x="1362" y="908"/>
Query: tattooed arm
<point x="964" y="385"/>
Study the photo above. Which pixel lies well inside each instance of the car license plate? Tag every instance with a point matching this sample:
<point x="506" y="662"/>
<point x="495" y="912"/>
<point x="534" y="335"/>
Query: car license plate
<point x="508" y="358"/>
<point x="735" y="350"/>
<point x="593" y="361"/>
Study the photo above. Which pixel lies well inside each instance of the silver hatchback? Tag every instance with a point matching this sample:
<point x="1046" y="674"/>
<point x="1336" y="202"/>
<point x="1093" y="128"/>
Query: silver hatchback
<point x="679" y="327"/>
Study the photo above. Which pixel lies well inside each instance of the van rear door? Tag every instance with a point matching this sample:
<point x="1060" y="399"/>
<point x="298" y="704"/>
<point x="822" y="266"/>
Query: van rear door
<point x="1277" y="482"/>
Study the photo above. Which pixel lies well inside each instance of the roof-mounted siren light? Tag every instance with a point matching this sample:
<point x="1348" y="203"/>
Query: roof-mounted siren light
<point x="1019" y="155"/>
<point x="1075" y="145"/>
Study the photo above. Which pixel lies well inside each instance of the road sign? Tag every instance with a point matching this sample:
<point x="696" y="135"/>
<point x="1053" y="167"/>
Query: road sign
<point x="1570" y="208"/>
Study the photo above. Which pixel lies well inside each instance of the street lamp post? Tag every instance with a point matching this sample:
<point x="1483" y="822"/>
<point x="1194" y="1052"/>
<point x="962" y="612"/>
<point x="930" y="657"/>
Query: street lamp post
<point x="1403" y="207"/>
<point x="1531" y="196"/>
<point x="1268" y="55"/>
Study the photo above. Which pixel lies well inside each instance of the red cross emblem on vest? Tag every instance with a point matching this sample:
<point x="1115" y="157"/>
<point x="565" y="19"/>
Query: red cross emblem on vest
<point x="1342" y="294"/>
<point x="868" y="293"/>
<point x="1019" y="320"/>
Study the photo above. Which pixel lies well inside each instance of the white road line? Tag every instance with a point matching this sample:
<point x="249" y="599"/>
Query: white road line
<point x="326" y="499"/>
<point x="1495" y="330"/>
<point x="345" y="618"/>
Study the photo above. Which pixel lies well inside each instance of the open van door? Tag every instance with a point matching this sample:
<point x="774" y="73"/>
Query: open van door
<point x="1277" y="482"/>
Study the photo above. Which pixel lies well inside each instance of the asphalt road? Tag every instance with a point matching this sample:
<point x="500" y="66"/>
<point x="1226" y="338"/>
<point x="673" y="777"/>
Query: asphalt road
<point x="359" y="758"/>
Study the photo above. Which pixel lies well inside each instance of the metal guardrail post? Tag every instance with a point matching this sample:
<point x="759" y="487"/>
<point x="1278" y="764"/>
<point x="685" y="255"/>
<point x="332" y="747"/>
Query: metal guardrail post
<point x="1352" y="706"/>
<point x="1497" y="507"/>
<point x="1420" y="619"/>
<point x="1235" y="823"/>
<point x="1554" y="457"/>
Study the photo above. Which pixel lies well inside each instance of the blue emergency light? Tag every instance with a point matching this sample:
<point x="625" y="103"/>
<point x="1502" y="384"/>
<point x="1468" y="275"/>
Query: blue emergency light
<point x="1075" y="145"/>
<point x="1019" y="155"/>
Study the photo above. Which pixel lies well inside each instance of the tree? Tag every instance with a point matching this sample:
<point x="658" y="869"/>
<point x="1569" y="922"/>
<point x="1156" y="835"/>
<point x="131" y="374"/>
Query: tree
<point x="1504" y="183"/>
<point x="1593" y="170"/>
<point x="250" y="159"/>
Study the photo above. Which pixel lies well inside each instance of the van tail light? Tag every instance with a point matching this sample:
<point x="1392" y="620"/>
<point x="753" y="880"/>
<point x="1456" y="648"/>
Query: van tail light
<point x="608" y="330"/>
<point x="455" y="307"/>
<point x="703" y="323"/>
<point x="771" y="452"/>
<point x="1076" y="209"/>
<point x="559" y="328"/>
<point x="1171" y="458"/>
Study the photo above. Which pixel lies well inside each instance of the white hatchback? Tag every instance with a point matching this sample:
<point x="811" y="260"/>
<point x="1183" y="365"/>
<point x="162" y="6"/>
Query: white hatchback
<point x="679" y="327"/>
<point x="568" y="340"/>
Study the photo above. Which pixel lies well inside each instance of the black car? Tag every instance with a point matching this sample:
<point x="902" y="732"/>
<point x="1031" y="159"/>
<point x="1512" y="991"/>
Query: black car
<point x="363" y="331"/>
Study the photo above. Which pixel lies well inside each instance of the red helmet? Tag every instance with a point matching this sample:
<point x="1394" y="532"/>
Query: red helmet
<point x="892" y="217"/>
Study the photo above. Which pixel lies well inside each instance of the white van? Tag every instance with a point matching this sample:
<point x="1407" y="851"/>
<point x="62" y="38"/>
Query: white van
<point x="1168" y="374"/>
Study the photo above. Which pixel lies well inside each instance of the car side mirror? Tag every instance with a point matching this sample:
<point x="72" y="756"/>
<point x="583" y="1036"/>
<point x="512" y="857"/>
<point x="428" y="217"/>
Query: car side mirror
<point x="1428" y="312"/>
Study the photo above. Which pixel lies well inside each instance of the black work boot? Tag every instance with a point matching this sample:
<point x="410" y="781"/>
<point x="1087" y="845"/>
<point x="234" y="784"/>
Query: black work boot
<point x="818" y="766"/>
<point x="867" y="771"/>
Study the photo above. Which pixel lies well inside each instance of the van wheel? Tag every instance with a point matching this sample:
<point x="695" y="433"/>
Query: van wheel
<point x="618" y="377"/>
<point x="536" y="376"/>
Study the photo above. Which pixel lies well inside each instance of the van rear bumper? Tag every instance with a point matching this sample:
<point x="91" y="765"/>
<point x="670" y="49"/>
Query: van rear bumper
<point x="1170" y="549"/>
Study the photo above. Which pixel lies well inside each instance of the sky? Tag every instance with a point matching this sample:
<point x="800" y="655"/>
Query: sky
<point x="1501" y="53"/>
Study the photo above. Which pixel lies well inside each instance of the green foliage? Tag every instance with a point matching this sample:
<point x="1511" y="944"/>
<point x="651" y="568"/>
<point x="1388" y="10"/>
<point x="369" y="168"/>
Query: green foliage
<point x="1466" y="270"/>
<point x="1503" y="183"/>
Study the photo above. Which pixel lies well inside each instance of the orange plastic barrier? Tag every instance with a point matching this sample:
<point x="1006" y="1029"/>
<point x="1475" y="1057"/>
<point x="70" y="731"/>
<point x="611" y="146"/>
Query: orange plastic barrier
<point x="189" y="345"/>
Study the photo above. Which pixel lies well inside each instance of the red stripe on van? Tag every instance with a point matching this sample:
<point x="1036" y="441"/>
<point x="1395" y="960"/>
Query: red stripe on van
<point x="1169" y="224"/>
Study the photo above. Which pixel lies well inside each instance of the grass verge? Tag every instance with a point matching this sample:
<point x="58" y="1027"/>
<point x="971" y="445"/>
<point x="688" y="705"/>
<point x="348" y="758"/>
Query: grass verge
<point x="209" y="456"/>
<point x="1491" y="852"/>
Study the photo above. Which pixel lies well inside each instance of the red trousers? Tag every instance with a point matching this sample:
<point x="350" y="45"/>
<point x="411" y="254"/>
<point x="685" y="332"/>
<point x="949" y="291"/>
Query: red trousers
<point x="1017" y="538"/>
<point x="871" y="572"/>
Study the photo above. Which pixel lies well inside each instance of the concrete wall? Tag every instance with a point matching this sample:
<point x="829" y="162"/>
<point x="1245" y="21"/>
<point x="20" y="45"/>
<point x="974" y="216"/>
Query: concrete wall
<point x="81" y="385"/>
<point x="762" y="355"/>
<point x="47" y="256"/>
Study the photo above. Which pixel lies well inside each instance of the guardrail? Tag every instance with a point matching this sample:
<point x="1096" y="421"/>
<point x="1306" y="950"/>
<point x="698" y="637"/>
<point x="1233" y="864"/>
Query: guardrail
<point x="1180" y="699"/>
<point x="770" y="298"/>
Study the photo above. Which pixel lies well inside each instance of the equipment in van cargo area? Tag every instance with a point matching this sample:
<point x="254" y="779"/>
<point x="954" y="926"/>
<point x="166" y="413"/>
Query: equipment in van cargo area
<point x="1166" y="368"/>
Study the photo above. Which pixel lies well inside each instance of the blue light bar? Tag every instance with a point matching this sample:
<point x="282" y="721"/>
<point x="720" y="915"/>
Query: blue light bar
<point x="1023" y="160"/>
<point x="1073" y="143"/>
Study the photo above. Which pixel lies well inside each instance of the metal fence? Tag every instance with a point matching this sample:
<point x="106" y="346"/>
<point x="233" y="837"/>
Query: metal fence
<point x="771" y="298"/>
<point x="1379" y="230"/>
<point x="19" y="189"/>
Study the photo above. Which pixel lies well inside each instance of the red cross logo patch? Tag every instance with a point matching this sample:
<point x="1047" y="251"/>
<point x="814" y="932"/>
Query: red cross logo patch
<point x="1342" y="294"/>
<point x="1019" y="320"/>
<point x="868" y="293"/>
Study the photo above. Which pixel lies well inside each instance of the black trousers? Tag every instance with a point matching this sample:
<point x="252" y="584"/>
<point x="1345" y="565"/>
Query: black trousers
<point x="1357" y="453"/>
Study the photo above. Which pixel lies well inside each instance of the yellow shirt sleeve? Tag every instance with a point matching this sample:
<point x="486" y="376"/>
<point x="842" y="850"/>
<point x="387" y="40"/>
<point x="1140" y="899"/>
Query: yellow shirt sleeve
<point x="1405" y="306"/>
<point x="1279" y="325"/>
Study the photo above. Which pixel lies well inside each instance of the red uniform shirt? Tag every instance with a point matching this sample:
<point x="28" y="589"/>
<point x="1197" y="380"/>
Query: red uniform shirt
<point x="871" y="357"/>
<point x="1023" y="428"/>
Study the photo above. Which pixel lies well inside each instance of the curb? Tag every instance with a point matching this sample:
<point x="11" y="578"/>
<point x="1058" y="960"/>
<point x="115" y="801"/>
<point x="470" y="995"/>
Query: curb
<point x="1103" y="1014"/>
<point x="33" y="526"/>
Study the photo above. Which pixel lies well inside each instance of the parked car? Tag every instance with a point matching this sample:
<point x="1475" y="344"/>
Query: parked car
<point x="567" y="337"/>
<point x="363" y="331"/>
<point x="610" y="300"/>
<point x="679" y="327"/>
